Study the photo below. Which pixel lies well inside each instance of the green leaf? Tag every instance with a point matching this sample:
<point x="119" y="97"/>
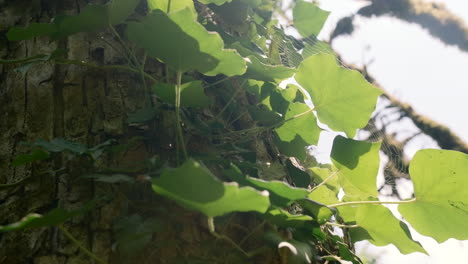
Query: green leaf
<point x="176" y="5"/>
<point x="440" y="186"/>
<point x="343" y="99"/>
<point x="91" y="18"/>
<point x="186" y="44"/>
<point x="33" y="30"/>
<point x="264" y="116"/>
<point x="192" y="94"/>
<point x="119" y="10"/>
<point x="194" y="187"/>
<point x="324" y="194"/>
<point x="358" y="163"/>
<point x="281" y="193"/>
<point x="34" y="155"/>
<point x="308" y="18"/>
<point x="283" y="218"/>
<point x="320" y="175"/>
<point x="264" y="72"/>
<point x="296" y="148"/>
<point x="216" y="2"/>
<point x="319" y="211"/>
<point x="299" y="177"/>
<point x="53" y="218"/>
<point x="383" y="229"/>
<point x="299" y="121"/>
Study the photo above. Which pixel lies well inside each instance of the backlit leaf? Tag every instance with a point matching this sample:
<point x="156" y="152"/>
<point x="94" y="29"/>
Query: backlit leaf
<point x="358" y="162"/>
<point x="308" y="18"/>
<point x="299" y="121"/>
<point x="193" y="186"/>
<point x="283" y="218"/>
<point x="186" y="44"/>
<point x="281" y="193"/>
<point x="440" y="179"/>
<point x="265" y="72"/>
<point x="383" y="229"/>
<point x="343" y="99"/>
<point x="175" y="5"/>
<point x="54" y="217"/>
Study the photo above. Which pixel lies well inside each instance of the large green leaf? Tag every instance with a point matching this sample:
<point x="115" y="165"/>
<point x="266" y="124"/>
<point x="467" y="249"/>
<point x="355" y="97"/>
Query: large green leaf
<point x="192" y="94"/>
<point x="315" y="208"/>
<point x="34" y="155"/>
<point x="194" y="187"/>
<point x="33" y="30"/>
<point x="175" y="5"/>
<point x="308" y="18"/>
<point x="296" y="173"/>
<point x="296" y="148"/>
<point x="299" y="121"/>
<point x="265" y="72"/>
<point x="52" y="218"/>
<point x="327" y="176"/>
<point x="383" y="229"/>
<point x="180" y="50"/>
<point x="358" y="162"/>
<point x="283" y="218"/>
<point x="281" y="193"/>
<point x="119" y="10"/>
<point x="91" y="18"/>
<point x="186" y="45"/>
<point x="343" y="99"/>
<point x="440" y="179"/>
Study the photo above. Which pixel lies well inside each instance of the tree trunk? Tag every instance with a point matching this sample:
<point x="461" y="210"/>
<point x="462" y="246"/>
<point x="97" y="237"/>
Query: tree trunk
<point x="52" y="101"/>
<point x="89" y="106"/>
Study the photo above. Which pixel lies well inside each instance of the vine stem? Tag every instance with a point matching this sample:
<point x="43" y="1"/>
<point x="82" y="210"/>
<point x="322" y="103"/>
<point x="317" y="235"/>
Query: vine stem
<point x="325" y="181"/>
<point x="340" y="225"/>
<point x="233" y="97"/>
<point x="255" y="129"/>
<point x="104" y="67"/>
<point x="211" y="228"/>
<point x="177" y="110"/>
<point x="168" y="6"/>
<point x="80" y="246"/>
<point x="373" y="202"/>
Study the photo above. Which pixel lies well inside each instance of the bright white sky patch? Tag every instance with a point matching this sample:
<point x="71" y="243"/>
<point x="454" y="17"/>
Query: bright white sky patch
<point x="417" y="69"/>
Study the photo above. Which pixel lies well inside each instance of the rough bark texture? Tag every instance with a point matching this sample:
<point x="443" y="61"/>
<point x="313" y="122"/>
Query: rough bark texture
<point x="89" y="106"/>
<point x="52" y="101"/>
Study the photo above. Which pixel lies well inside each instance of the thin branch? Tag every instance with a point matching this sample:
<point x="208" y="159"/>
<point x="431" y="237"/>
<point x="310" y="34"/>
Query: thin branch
<point x="80" y="246"/>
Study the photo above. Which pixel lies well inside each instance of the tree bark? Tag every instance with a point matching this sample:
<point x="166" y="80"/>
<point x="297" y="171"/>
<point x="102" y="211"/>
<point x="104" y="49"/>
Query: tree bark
<point x="90" y="106"/>
<point x="436" y="18"/>
<point x="52" y="101"/>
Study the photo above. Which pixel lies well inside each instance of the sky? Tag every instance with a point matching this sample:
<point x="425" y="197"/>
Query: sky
<point x="417" y="69"/>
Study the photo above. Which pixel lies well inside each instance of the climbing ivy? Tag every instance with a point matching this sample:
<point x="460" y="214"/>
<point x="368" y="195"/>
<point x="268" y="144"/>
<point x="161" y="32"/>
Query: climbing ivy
<point x="214" y="52"/>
